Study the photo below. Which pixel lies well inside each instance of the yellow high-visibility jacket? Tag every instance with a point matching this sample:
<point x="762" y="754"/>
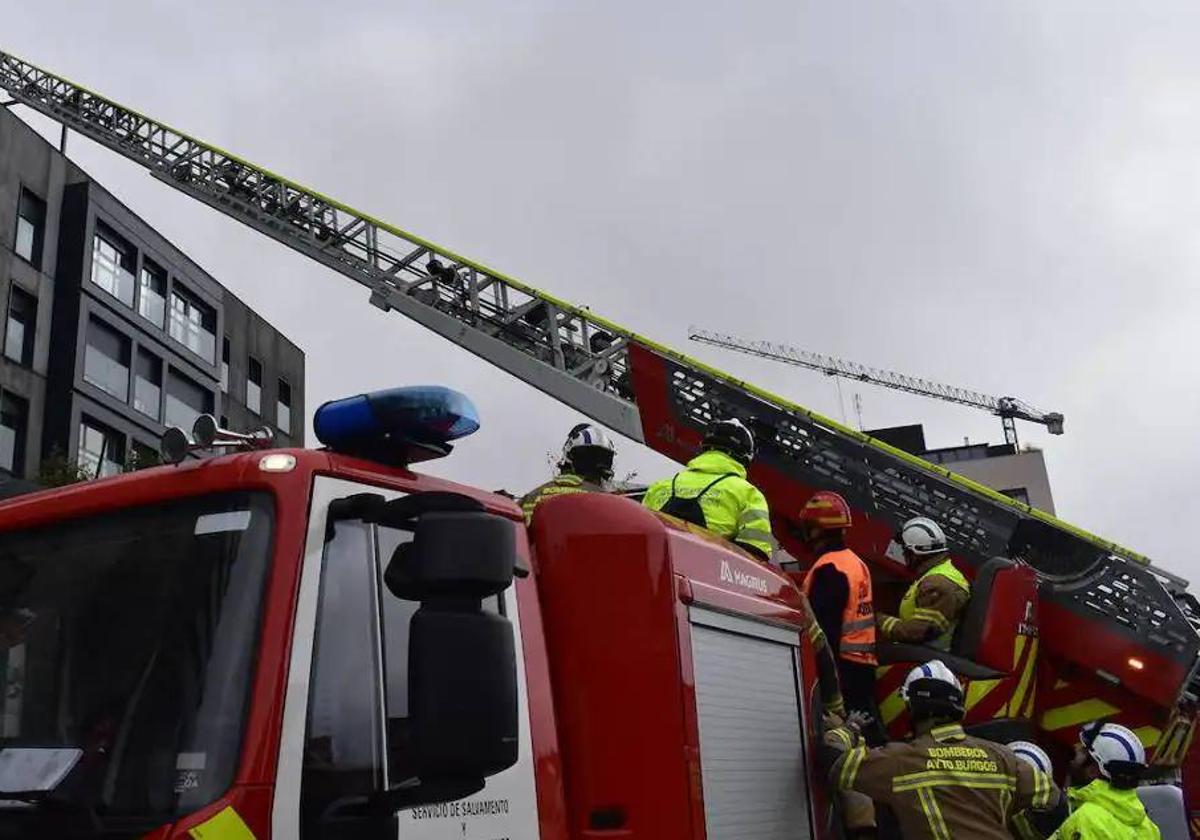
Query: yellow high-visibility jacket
<point x="733" y="507"/>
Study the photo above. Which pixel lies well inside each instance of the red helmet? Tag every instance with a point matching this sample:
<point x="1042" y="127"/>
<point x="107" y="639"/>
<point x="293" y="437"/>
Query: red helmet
<point x="826" y="510"/>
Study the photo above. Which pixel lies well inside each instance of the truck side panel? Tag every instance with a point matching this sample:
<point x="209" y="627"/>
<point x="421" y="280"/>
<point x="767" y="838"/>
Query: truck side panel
<point x="608" y="600"/>
<point x="675" y="665"/>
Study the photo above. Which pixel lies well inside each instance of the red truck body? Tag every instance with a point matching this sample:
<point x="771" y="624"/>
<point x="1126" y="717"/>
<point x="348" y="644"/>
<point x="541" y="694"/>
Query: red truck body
<point x="608" y="616"/>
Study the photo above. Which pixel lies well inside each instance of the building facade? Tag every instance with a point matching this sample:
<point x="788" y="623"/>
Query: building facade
<point x="111" y="333"/>
<point x="1019" y="473"/>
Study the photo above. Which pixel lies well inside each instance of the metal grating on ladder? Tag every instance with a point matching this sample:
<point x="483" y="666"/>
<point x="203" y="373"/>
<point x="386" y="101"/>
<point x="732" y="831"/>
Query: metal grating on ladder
<point x="1133" y="599"/>
<point x="1094" y="582"/>
<point x="870" y="480"/>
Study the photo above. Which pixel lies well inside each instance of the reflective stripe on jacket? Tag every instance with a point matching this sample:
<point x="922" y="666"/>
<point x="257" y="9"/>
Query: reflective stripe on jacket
<point x="1100" y="811"/>
<point x="858" y="617"/>
<point x="557" y="486"/>
<point x="945" y="784"/>
<point x="930" y="609"/>
<point x="733" y="508"/>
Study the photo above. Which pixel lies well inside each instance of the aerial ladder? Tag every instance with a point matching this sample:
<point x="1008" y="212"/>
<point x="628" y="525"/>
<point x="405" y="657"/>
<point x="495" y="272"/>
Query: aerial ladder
<point x="1008" y="409"/>
<point x="1090" y="587"/>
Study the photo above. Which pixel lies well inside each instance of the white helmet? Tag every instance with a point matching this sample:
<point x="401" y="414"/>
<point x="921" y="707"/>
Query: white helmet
<point x="590" y="450"/>
<point x="731" y="435"/>
<point x="1115" y="749"/>
<point x="932" y="691"/>
<point x="922" y="537"/>
<point x="1033" y="755"/>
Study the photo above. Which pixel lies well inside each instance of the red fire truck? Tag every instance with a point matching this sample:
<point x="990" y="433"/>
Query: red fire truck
<point x="654" y="707"/>
<point x="291" y="643"/>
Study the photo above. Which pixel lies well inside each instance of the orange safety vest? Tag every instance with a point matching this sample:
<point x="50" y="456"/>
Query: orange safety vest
<point x="858" y="618"/>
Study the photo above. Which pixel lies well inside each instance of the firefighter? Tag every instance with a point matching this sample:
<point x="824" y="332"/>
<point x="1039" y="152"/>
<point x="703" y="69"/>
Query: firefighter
<point x="1108" y="764"/>
<point x="713" y="491"/>
<point x="586" y="467"/>
<point x="838" y="587"/>
<point x="933" y="604"/>
<point x="1032" y="824"/>
<point x="828" y="685"/>
<point x="942" y="783"/>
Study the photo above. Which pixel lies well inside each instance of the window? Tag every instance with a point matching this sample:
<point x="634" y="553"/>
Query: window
<point x="1021" y="494"/>
<point x="113" y="261"/>
<point x="101" y="450"/>
<point x="225" y="365"/>
<point x="343" y="746"/>
<point x="31" y="228"/>
<point x="143" y="650"/>
<point x="152" y="300"/>
<point x="397" y="617"/>
<point x="14" y="412"/>
<point x="193" y="324"/>
<point x="186" y="400"/>
<point x="254" y="385"/>
<point x="346" y="734"/>
<point x="283" y="408"/>
<point x="106" y="361"/>
<point x="143" y="456"/>
<point x="147" y="384"/>
<point x="18" y="333"/>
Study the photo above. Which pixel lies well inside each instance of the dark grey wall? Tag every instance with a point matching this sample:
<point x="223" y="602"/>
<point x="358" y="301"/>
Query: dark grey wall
<point x="54" y="384"/>
<point x="26" y="160"/>
<point x="250" y="335"/>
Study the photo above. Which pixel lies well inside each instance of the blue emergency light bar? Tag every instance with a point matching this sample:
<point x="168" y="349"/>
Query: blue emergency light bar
<point x="397" y="426"/>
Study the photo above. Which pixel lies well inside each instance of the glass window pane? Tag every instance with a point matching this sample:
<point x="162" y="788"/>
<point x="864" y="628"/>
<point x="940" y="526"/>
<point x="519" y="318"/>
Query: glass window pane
<point x="152" y="299"/>
<point x="343" y="752"/>
<point x="143" y="456"/>
<point x="31" y="228"/>
<point x="13" y="414"/>
<point x="193" y="324"/>
<point x="101" y="450"/>
<point x="19" y="328"/>
<point x="113" y="261"/>
<point x="185" y="401"/>
<point x="254" y="385"/>
<point x="141" y="649"/>
<point x="397" y="618"/>
<point x="283" y="407"/>
<point x="106" y="360"/>
<point x="147" y="384"/>
<point x="25" y="238"/>
<point x="14" y="337"/>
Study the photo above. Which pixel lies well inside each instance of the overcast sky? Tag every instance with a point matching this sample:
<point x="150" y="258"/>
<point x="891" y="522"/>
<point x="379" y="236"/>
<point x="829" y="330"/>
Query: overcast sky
<point x="997" y="195"/>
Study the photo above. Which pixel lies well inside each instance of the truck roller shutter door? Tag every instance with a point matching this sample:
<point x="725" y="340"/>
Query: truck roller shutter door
<point x="748" y="708"/>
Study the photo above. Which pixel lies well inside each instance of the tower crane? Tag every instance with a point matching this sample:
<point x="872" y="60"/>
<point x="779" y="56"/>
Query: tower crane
<point x="1008" y="409"/>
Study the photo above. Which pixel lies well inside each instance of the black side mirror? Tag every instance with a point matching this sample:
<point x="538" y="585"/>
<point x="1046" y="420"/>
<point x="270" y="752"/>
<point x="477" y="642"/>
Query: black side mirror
<point x="462" y="694"/>
<point x="460" y="554"/>
<point x="462" y="720"/>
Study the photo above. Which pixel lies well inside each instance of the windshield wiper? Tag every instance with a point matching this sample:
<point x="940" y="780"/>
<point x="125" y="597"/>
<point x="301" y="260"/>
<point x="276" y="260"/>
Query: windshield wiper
<point x="80" y="814"/>
<point x="30" y="796"/>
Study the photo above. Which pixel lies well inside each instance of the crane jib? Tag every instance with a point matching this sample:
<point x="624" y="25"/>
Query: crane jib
<point x="644" y="390"/>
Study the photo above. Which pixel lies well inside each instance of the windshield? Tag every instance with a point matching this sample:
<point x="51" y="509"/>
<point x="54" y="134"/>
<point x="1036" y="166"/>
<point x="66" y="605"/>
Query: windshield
<point x="126" y="647"/>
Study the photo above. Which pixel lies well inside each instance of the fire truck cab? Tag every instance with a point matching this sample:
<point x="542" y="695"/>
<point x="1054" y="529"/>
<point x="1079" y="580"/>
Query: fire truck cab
<point x="318" y="644"/>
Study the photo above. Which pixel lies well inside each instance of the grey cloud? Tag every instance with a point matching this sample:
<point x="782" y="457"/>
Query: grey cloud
<point x="998" y="195"/>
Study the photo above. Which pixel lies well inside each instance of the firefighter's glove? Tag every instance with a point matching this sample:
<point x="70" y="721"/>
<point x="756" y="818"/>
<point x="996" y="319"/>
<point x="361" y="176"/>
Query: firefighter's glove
<point x="857" y="721"/>
<point x="842" y="738"/>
